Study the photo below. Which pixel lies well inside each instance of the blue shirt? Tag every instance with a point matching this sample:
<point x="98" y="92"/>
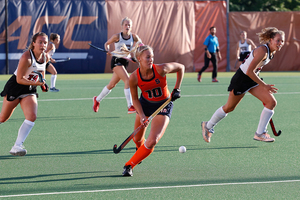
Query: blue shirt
<point x="212" y="43"/>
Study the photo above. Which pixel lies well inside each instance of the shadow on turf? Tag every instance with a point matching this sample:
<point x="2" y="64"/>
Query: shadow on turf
<point x="127" y="150"/>
<point x="59" y="118"/>
<point x="30" y="179"/>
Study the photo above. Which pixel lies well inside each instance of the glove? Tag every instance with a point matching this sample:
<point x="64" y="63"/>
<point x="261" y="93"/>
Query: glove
<point x="45" y="87"/>
<point x="175" y="94"/>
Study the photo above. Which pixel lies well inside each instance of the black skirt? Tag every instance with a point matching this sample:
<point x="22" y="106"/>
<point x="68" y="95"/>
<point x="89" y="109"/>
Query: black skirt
<point x="14" y="90"/>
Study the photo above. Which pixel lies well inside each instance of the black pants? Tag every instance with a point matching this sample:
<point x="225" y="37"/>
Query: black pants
<point x="214" y="61"/>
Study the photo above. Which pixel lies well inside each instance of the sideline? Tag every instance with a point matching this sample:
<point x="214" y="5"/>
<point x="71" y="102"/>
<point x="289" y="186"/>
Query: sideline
<point x="151" y="188"/>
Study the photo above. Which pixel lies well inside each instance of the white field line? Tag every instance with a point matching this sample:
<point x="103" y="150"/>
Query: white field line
<point x="151" y="188"/>
<point x="195" y="95"/>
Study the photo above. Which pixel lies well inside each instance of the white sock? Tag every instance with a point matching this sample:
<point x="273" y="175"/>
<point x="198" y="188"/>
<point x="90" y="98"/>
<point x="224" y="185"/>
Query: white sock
<point x="128" y="97"/>
<point x="24" y="130"/>
<point x="217" y="116"/>
<point x="53" y="81"/>
<point x="265" y="117"/>
<point x="103" y="94"/>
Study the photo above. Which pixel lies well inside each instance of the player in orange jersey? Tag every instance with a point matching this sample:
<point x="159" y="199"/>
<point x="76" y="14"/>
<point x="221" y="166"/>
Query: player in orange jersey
<point x="151" y="79"/>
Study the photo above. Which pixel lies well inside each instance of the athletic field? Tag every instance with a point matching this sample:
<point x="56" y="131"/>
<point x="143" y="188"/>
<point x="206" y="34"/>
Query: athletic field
<point x="70" y="147"/>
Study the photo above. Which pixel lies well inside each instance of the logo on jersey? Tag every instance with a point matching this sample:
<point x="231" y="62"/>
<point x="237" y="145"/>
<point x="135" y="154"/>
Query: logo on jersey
<point x="157" y="81"/>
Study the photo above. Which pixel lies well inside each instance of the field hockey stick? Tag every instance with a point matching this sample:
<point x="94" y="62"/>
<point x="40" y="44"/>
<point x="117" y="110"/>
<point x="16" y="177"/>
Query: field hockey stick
<point x="41" y="79"/>
<point x="63" y="60"/>
<point x="296" y="39"/>
<point x="273" y="128"/>
<point x="98" y="48"/>
<point x="117" y="149"/>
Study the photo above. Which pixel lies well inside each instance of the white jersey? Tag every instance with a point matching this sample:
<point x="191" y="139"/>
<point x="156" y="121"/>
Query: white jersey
<point x="35" y="66"/>
<point x="50" y="53"/>
<point x="245" y="47"/>
<point x="128" y="42"/>
<point x="245" y="65"/>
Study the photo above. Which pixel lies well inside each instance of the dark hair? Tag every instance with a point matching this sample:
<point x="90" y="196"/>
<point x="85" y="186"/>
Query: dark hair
<point x="211" y="28"/>
<point x="53" y="36"/>
<point x="34" y="37"/>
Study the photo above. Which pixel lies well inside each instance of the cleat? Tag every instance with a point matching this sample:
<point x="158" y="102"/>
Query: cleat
<point x="127" y="171"/>
<point x="214" y="80"/>
<point x="96" y="104"/>
<point x="199" y="78"/>
<point x="263" y="137"/>
<point x="131" y="110"/>
<point x="53" y="89"/>
<point x="18" y="150"/>
<point x="206" y="133"/>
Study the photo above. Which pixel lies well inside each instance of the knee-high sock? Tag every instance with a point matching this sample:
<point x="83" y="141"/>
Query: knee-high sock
<point x="53" y="80"/>
<point x="217" y="116"/>
<point x="128" y="97"/>
<point x="103" y="94"/>
<point x="265" y="117"/>
<point x="139" y="143"/>
<point x="24" y="131"/>
<point x="142" y="153"/>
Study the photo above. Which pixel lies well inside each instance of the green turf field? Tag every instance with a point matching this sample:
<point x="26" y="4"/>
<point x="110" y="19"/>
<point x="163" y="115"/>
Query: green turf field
<point x="70" y="147"/>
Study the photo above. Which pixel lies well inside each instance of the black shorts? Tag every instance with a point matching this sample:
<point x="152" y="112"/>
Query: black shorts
<point x="243" y="55"/>
<point x="115" y="61"/>
<point x="241" y="83"/>
<point x="149" y="108"/>
<point x="14" y="90"/>
<point x="47" y="64"/>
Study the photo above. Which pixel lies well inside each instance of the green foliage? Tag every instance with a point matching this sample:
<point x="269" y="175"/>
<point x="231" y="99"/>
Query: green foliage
<point x="264" y="5"/>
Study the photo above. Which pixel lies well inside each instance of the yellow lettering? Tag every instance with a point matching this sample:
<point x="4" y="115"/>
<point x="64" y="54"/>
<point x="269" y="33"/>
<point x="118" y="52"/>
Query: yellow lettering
<point x="23" y="22"/>
<point x="67" y="41"/>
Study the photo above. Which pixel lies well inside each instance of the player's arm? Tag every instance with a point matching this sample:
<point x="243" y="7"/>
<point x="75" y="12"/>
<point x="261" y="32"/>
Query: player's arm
<point x="259" y="54"/>
<point x="113" y="39"/>
<point x="24" y="64"/>
<point x="133" y="84"/>
<point x="49" y="48"/>
<point x="238" y="51"/>
<point x="251" y="43"/>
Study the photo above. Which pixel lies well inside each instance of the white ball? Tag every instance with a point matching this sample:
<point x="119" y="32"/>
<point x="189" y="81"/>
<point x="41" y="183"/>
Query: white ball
<point x="182" y="149"/>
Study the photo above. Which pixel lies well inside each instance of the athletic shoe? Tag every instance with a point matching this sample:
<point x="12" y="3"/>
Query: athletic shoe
<point x="199" y="77"/>
<point x="127" y="171"/>
<point x="131" y="110"/>
<point x="96" y="104"/>
<point x="263" y="137"/>
<point x="18" y="150"/>
<point x="53" y="89"/>
<point x="215" y="80"/>
<point x="206" y="133"/>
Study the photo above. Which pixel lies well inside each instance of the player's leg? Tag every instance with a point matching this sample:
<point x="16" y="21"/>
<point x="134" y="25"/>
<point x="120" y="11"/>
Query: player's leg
<point x="7" y="109"/>
<point x="270" y="102"/>
<point x="139" y="138"/>
<point x="220" y="113"/>
<point x="158" y="128"/>
<point x="51" y="69"/>
<point x="29" y="107"/>
<point x="123" y="75"/>
<point x="105" y="91"/>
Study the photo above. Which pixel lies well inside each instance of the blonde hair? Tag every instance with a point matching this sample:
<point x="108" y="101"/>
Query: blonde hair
<point x="141" y="49"/>
<point x="126" y="19"/>
<point x="124" y="50"/>
<point x="268" y="33"/>
<point x="33" y="39"/>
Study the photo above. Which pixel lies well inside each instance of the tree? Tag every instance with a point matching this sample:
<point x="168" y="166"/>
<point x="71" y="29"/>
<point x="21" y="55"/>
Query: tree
<point x="264" y="5"/>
